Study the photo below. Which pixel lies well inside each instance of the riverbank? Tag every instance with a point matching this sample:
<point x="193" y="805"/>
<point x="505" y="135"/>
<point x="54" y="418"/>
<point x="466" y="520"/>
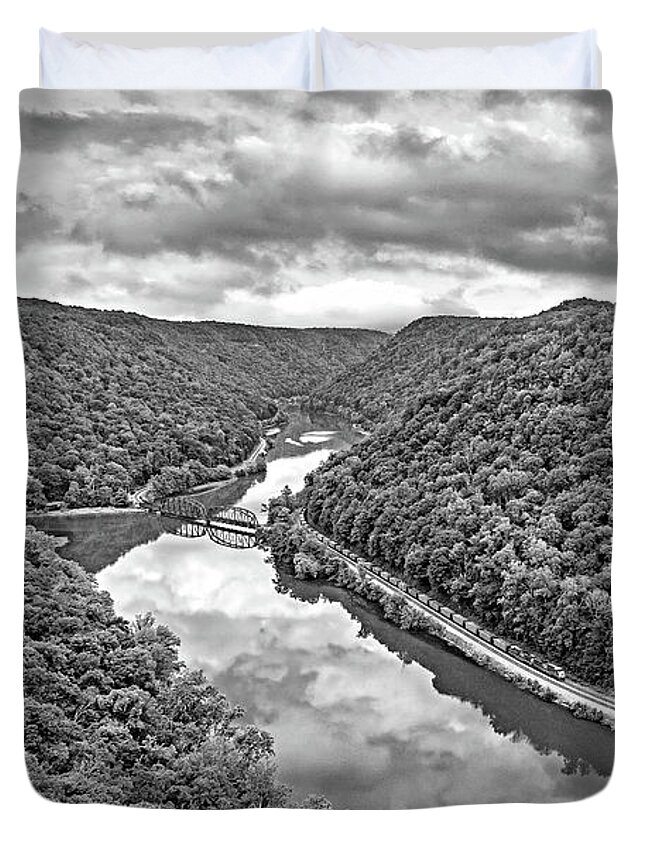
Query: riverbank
<point x="314" y="659"/>
<point x="139" y="496"/>
<point x="215" y="485"/>
<point x="579" y="699"/>
<point x="305" y="552"/>
<point x="86" y="510"/>
<point x="576" y="698"/>
<point x="454" y="674"/>
<point x="90" y="767"/>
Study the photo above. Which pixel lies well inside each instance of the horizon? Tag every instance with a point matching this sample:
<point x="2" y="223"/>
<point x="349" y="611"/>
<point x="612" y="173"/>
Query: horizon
<point x="390" y="333"/>
<point x="356" y="210"/>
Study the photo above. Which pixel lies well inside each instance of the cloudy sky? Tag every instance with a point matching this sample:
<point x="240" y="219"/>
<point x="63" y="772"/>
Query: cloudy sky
<point x="361" y="209"/>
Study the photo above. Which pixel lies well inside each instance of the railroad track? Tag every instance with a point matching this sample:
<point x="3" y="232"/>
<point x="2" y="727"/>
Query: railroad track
<point x="563" y="688"/>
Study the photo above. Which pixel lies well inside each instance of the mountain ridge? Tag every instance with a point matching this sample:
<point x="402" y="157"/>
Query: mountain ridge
<point x="486" y="479"/>
<point x="115" y="398"/>
<point x="366" y="409"/>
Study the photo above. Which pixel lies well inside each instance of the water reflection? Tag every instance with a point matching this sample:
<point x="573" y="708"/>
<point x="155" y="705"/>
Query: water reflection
<point x="367" y="714"/>
<point x="96" y="540"/>
<point x="548" y="727"/>
<point x="350" y="718"/>
<point x="316" y="436"/>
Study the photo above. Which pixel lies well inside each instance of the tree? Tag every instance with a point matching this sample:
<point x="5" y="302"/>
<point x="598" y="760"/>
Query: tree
<point x="486" y="479"/>
<point x="130" y="397"/>
<point x="113" y="716"/>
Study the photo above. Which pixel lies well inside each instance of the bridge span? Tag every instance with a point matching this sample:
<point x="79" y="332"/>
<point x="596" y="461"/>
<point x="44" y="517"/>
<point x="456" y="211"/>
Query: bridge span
<point x="231" y="526"/>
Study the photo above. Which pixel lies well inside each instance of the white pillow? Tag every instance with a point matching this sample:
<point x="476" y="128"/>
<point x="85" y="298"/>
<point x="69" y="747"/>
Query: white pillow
<point x="568" y="62"/>
<point x="286" y="62"/>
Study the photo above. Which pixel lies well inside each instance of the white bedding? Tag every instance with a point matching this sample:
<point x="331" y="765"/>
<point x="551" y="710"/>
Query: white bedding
<point x="286" y="62"/>
<point x="568" y="62"/>
<point x="376" y="61"/>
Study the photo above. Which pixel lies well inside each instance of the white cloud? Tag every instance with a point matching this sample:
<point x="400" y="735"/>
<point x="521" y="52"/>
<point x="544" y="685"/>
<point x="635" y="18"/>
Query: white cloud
<point x="353" y="210"/>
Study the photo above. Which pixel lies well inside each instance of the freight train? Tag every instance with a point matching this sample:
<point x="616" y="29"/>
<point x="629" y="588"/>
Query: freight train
<point x="550" y="669"/>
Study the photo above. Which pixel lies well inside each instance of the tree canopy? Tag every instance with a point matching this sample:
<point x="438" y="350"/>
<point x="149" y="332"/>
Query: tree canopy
<point x="487" y="478"/>
<point x="113" y="716"/>
<point x="114" y="399"/>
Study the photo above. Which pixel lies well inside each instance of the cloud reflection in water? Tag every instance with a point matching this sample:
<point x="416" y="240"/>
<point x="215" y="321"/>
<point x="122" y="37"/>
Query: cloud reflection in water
<point x="348" y="717"/>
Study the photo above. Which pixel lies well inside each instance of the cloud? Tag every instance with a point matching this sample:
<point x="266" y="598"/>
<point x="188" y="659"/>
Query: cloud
<point x="140" y="196"/>
<point x="34" y="220"/>
<point x="130" y="132"/>
<point x="280" y="194"/>
<point x="305" y="671"/>
<point x="454" y="301"/>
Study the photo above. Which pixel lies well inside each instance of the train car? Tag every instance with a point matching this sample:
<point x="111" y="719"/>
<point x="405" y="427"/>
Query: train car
<point x="471" y="626"/>
<point x="485" y="635"/>
<point x="550" y="669"/>
<point x="500" y="644"/>
<point x="445" y="611"/>
<point x="517" y="652"/>
<point x="434" y="604"/>
<point x="458" y="618"/>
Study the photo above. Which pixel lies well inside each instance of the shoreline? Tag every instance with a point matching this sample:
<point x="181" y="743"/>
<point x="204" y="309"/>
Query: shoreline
<point x="85" y="510"/>
<point x="600" y="710"/>
<point x="211" y="486"/>
<point x="215" y="485"/>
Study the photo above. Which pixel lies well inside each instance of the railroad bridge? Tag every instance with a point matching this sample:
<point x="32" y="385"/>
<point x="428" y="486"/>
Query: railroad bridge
<point x="231" y="526"/>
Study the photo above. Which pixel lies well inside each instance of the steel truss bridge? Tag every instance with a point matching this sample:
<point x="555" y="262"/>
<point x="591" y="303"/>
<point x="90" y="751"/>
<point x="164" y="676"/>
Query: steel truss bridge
<point x="231" y="526"/>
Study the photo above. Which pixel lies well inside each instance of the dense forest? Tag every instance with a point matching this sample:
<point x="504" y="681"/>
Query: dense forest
<point x="299" y="556"/>
<point x="487" y="477"/>
<point x="113" y="716"/>
<point x="114" y="398"/>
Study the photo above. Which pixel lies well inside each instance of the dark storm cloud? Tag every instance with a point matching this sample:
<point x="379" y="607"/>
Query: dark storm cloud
<point x="76" y="283"/>
<point x="527" y="232"/>
<point x="139" y="97"/>
<point x="34" y="221"/>
<point x="404" y="142"/>
<point x="566" y="254"/>
<point x="178" y="178"/>
<point x="131" y="132"/>
<point x="273" y="190"/>
<point x="361" y="104"/>
<point x="502" y="97"/>
<point x="140" y="199"/>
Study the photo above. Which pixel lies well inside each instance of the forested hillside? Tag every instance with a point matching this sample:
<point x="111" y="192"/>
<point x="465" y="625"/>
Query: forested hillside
<point x="112" y="716"/>
<point x="114" y="398"/>
<point x="368" y="393"/>
<point x="487" y="479"/>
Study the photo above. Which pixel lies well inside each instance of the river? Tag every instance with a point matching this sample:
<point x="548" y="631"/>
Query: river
<point x="360" y="711"/>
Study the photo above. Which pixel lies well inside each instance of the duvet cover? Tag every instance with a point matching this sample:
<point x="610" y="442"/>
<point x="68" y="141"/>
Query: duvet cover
<point x="319" y="505"/>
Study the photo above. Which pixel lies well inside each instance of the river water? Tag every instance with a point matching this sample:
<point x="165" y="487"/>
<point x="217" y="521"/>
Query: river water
<point x="360" y="711"/>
